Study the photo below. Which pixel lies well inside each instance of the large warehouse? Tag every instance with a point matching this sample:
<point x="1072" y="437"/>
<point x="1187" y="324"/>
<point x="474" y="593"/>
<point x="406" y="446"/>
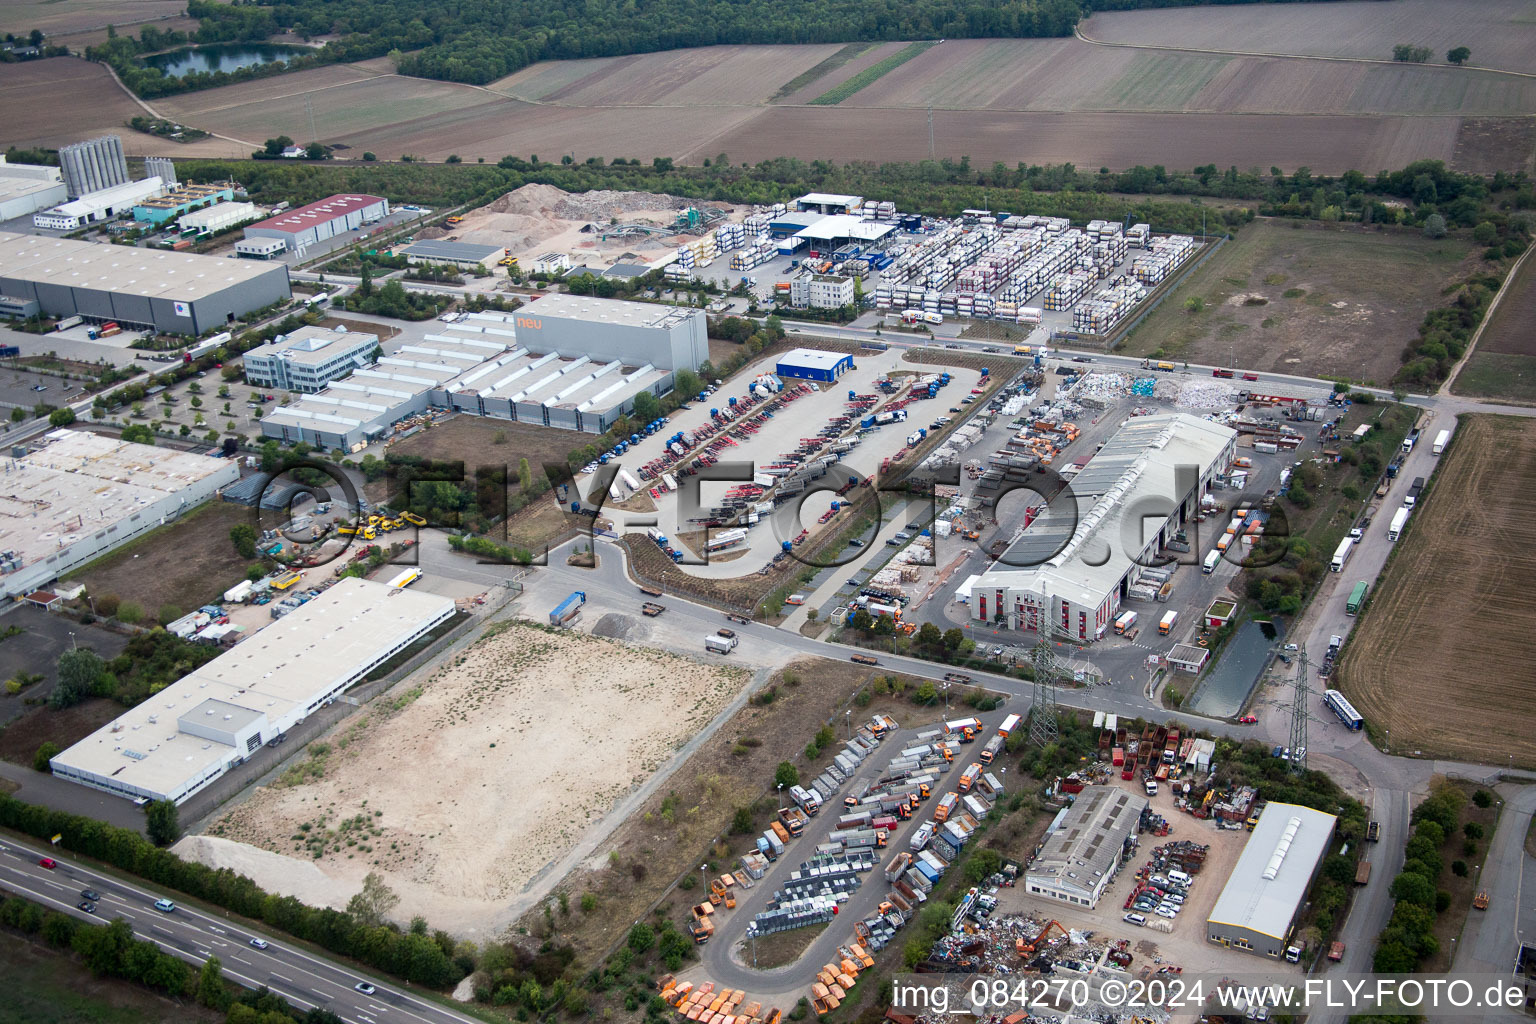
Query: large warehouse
<point x="27" y="188"/>
<point x="312" y="224"/>
<point x="814" y="364"/>
<point x="635" y="333"/>
<point x="209" y="721"/>
<point x="464" y="255"/>
<point x="1074" y="565"/>
<point x="81" y="495"/>
<point x="98" y="206"/>
<point x="172" y="292"/>
<point x="309" y="359"/>
<point x="1257" y="910"/>
<point x="1085" y="850"/>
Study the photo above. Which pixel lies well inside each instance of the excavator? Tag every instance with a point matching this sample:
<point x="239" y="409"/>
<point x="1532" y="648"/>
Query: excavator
<point x="1026" y="947"/>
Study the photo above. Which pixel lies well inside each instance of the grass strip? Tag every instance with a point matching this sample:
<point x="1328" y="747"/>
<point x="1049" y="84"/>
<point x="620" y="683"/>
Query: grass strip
<point x="869" y="75"/>
<point x="826" y="67"/>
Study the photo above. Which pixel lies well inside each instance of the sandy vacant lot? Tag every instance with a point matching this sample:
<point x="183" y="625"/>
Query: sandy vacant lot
<point x="463" y="787"/>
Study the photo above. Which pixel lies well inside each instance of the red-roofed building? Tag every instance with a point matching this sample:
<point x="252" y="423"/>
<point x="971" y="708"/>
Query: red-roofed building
<point x="309" y="225"/>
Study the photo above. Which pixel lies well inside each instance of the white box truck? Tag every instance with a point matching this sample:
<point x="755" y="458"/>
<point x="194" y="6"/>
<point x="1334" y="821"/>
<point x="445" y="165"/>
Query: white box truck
<point x="1441" y="440"/>
<point x="1341" y="554"/>
<point x="1399" y="520"/>
<point x="720" y="644"/>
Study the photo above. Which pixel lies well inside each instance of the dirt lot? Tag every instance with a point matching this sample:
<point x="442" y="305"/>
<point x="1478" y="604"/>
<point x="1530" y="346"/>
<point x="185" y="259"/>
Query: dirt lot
<point x="20" y="740"/>
<point x="1503" y="365"/>
<point x="1462" y="570"/>
<point x="37" y="649"/>
<point x="474" y="441"/>
<point x="458" y="744"/>
<point x="1306" y="301"/>
<point x="190" y="562"/>
<point x="1496" y="30"/>
<point x="676" y="831"/>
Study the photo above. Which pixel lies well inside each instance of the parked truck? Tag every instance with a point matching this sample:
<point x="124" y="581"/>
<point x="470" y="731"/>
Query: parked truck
<point x="652" y="609"/>
<point x="793" y="819"/>
<point x="717" y="644"/>
<point x="568" y="609"/>
<point x="1414" y="491"/>
<point x="1399" y="520"/>
<point x="1441" y="440"/>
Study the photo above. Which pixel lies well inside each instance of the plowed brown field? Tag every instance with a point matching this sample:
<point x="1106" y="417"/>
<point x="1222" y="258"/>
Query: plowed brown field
<point x="1442" y="655"/>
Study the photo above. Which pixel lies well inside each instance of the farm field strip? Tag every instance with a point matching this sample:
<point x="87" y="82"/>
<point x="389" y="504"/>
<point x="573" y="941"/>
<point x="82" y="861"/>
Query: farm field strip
<point x="843" y="64"/>
<point x="59" y="17"/>
<point x="1463" y="570"/>
<point x="1500" y="33"/>
<point x="871" y="74"/>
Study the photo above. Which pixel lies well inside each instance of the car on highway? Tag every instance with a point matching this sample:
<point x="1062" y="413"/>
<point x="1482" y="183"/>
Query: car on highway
<point x="89" y="894"/>
<point x="258" y="943"/>
<point x="164" y="906"/>
<point x="87" y="906"/>
<point x="47" y="862"/>
<point x="1248" y="720"/>
<point x="365" y="988"/>
<point x="1081" y="359"/>
<point x="39" y="387"/>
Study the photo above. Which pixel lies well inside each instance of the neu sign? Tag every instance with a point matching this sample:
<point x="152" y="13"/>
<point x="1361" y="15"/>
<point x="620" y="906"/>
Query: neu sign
<point x="532" y="323"/>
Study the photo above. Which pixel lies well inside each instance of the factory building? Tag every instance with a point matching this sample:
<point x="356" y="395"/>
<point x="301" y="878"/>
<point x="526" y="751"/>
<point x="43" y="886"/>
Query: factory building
<point x="1257" y="910"/>
<point x="93" y="166"/>
<point x="260" y="248"/>
<point x="634" y="333"/>
<point x="98" y="206"/>
<point x="81" y="495"/>
<point x="182" y="199"/>
<point x="1086" y="847"/>
<point x="309" y="359"/>
<point x="1074" y="565"/>
<point x="317" y="222"/>
<point x="464" y="255"/>
<point x="214" y="219"/>
<point x="814" y="364"/>
<point x="171" y="292"/>
<point x="828" y="233"/>
<point x="828" y="203"/>
<point x="28" y="188"/>
<point x="821" y="291"/>
<point x="211" y="720"/>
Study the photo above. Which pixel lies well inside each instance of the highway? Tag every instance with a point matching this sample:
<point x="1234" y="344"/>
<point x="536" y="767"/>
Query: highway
<point x="304" y="980"/>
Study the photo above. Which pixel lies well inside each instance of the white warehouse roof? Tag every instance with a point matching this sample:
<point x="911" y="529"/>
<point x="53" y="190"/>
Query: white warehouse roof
<point x="1271" y="877"/>
<point x="845" y="225"/>
<point x="813" y="358"/>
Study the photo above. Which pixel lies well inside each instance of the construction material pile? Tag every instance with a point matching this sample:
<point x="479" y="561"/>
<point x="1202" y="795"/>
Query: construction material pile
<point x="1099" y="390"/>
<point x="1195" y="393"/>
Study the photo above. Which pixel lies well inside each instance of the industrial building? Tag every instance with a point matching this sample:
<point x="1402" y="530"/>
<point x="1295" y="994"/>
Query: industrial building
<point x="93" y="166"/>
<point x="464" y="255"/>
<point x="309" y="359"/>
<point x="1257" y="910"/>
<point x="832" y="232"/>
<point x="828" y="202"/>
<point x="260" y="248"/>
<point x="162" y="167"/>
<point x="821" y="291"/>
<point x="550" y="263"/>
<point x="634" y="333"/>
<point x="1086" y="846"/>
<point x="222" y="217"/>
<point x="312" y="224"/>
<point x="98" y="206"/>
<point x="182" y="199"/>
<point x="211" y="720"/>
<point x="80" y="495"/>
<point x="171" y="292"/>
<point x="814" y="364"/>
<point x="27" y="188"/>
<point x="1074" y="564"/>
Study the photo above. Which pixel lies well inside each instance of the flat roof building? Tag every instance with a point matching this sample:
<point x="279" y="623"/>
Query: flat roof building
<point x="172" y="292"/>
<point x="81" y="495"/>
<point x="1086" y="850"/>
<point x="27" y="188"/>
<point x="842" y="229"/>
<point x="458" y="254"/>
<point x="1257" y="910"/>
<point x="312" y="224"/>
<point x="1074" y="564"/>
<point x="309" y="359"/>
<point x="828" y="202"/>
<point x="222" y="217"/>
<point x="635" y="333"/>
<point x="814" y="364"/>
<point x="98" y="206"/>
<point x="821" y="291"/>
<point x="182" y="199"/>
<point x="193" y="731"/>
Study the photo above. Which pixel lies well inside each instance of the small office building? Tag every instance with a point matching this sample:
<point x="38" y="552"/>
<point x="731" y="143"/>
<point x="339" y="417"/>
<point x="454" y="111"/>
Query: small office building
<point x="309" y="359"/>
<point x="814" y="364"/>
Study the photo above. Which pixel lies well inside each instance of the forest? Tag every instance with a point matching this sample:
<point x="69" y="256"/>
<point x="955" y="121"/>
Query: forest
<point x="479" y="41"/>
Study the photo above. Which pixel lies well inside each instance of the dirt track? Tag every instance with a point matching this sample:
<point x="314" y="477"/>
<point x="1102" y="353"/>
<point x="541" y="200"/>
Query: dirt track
<point x="1441" y="658"/>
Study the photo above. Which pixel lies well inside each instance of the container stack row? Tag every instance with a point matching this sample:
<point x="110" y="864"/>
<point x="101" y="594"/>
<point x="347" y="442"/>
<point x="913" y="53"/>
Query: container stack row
<point x="1108" y="306"/>
<point x="1162" y="257"/>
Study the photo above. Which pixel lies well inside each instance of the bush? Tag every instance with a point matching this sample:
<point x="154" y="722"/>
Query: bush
<point x="45" y="750"/>
<point x="1459" y="868"/>
<point x="1482" y="798"/>
<point x="641" y="937"/>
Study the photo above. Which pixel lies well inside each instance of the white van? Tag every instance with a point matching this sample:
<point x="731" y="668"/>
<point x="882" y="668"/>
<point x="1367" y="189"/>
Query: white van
<point x="1211" y="561"/>
<point x="1136" y="919"/>
<point x="1179" y="878"/>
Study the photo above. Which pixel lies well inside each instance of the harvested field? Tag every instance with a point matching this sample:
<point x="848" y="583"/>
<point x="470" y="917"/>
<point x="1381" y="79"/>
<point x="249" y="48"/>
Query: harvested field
<point x="1472" y="548"/>
<point x="1341" y="303"/>
<point x="506" y="716"/>
<point x="58" y="17"/>
<point x="191" y="558"/>
<point x="674" y="831"/>
<point x="1503" y="365"/>
<point x="81" y="98"/>
<point x="1500" y="33"/>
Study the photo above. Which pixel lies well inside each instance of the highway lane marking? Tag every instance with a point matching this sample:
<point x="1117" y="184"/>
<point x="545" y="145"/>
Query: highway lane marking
<point x="281" y="978"/>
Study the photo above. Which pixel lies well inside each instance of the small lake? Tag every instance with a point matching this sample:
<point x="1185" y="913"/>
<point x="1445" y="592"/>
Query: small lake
<point x="1224" y="689"/>
<point x="222" y="57"/>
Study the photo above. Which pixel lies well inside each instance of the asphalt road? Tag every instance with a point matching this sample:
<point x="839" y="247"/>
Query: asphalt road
<point x="302" y="979"/>
<point x="1491" y="940"/>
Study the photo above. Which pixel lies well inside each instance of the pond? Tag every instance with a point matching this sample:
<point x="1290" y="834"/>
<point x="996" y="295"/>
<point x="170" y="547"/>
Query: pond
<point x="1224" y="689"/>
<point x="221" y="57"/>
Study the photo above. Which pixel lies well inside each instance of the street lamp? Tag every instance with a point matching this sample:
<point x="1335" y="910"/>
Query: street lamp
<point x="848" y="719"/>
<point x="703" y="877"/>
<point x="781" y="796"/>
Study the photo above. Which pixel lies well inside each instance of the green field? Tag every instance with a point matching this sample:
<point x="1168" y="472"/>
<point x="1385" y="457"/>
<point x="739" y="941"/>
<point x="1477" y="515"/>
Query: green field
<point x="42" y="986"/>
<point x="869" y="75"/>
<point x="1279" y="297"/>
<point x="1500" y="375"/>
